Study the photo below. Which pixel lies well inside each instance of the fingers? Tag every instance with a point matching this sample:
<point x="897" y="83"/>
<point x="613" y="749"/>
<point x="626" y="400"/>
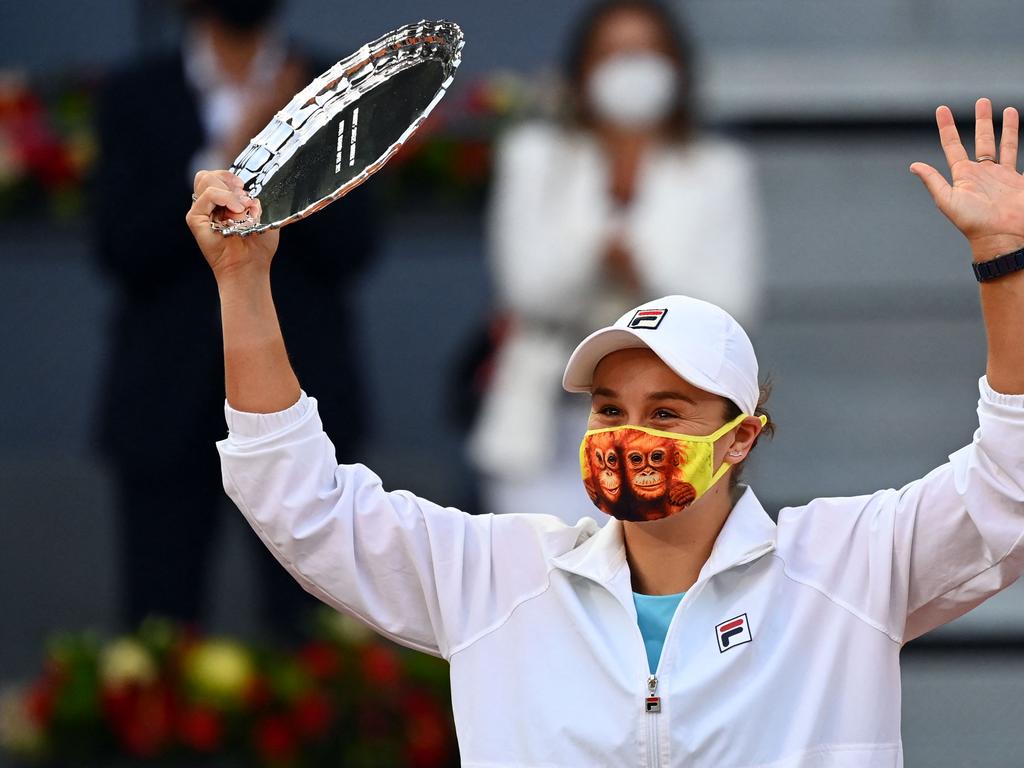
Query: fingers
<point x="223" y="179"/>
<point x="984" y="134"/>
<point x="1008" y="139"/>
<point x="949" y="137"/>
<point x="213" y="197"/>
<point x="216" y="197"/>
<point x="217" y="189"/>
<point x="934" y="182"/>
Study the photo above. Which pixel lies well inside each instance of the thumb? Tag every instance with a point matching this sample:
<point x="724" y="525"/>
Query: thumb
<point x="934" y="182"/>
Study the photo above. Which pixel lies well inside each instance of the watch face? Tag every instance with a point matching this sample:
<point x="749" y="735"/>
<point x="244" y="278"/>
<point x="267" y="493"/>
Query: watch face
<point x="346" y="124"/>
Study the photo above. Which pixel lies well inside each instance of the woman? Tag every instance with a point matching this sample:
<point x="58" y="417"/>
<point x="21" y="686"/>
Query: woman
<point x="784" y="649"/>
<point x="620" y="202"/>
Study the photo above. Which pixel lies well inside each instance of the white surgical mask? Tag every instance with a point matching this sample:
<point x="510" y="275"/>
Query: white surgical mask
<point x="633" y="90"/>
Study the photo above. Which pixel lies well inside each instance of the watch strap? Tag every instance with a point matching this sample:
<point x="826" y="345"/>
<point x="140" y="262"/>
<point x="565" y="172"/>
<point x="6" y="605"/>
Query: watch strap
<point x="999" y="266"/>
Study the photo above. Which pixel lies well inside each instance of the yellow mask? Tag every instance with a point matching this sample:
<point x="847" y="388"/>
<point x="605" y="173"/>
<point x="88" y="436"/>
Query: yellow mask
<point x="638" y="474"/>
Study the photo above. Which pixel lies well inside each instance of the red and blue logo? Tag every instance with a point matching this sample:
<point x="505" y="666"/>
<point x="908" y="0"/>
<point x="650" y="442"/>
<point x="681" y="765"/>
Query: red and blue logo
<point x="647" y="318"/>
<point x="733" y="632"/>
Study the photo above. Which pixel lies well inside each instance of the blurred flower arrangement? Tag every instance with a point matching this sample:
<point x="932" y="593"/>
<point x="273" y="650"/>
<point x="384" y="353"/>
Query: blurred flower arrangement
<point x="164" y="696"/>
<point x="47" y="146"/>
<point x="449" y="159"/>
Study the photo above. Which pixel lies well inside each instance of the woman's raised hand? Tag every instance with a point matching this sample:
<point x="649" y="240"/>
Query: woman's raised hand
<point x="220" y="195"/>
<point x="986" y="199"/>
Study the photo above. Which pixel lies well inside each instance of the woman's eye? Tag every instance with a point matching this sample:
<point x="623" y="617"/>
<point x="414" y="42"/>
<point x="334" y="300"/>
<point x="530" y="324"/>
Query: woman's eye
<point x="661" y="413"/>
<point x="609" y="410"/>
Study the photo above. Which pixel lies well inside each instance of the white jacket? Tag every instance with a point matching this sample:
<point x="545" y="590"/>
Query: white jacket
<point x="692" y="228"/>
<point x="537" y="620"/>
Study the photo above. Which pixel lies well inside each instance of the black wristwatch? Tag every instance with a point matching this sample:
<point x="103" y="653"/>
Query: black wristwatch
<point x="999" y="266"/>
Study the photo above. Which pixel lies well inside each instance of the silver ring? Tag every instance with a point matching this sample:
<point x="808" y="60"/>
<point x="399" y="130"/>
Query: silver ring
<point x="194" y="197"/>
<point x="986" y="158"/>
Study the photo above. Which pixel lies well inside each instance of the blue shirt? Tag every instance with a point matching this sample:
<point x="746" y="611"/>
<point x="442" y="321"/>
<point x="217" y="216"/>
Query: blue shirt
<point x="654" y="613"/>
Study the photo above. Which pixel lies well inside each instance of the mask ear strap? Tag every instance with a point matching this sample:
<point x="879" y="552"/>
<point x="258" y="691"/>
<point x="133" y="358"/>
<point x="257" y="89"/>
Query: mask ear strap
<point x="722" y="469"/>
<point x="726" y="427"/>
<point x="724" y="466"/>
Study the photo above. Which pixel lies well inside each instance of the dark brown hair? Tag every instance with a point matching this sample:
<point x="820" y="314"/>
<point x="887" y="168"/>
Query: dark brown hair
<point x="682" y="119"/>
<point x="733" y="411"/>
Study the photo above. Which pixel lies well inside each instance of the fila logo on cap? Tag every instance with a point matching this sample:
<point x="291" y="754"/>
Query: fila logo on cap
<point x="647" y="318"/>
<point x="733" y="632"/>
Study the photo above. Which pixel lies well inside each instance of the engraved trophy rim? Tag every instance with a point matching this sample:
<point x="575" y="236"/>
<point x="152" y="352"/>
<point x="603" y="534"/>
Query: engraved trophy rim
<point x="369" y="67"/>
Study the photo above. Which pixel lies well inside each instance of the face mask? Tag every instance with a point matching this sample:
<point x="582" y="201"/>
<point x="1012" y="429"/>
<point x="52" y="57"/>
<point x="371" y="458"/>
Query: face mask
<point x="639" y="474"/>
<point x="634" y="90"/>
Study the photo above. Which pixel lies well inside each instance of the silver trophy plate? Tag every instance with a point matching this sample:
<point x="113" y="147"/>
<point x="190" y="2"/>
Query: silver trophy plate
<point x="346" y="124"/>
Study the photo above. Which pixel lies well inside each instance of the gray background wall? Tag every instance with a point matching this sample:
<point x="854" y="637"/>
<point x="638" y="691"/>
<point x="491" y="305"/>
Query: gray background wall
<point x="873" y="334"/>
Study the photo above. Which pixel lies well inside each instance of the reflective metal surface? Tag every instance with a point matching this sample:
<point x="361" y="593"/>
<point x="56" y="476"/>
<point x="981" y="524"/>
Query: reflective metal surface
<point x="346" y="124"/>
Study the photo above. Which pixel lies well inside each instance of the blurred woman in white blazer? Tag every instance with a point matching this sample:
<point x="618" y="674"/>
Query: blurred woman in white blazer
<point x="621" y="201"/>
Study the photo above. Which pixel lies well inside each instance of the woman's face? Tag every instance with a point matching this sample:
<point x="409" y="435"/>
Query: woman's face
<point x="633" y="386"/>
<point x="625" y="31"/>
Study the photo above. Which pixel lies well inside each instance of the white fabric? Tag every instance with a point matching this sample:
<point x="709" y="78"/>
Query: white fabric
<point x="222" y="101"/>
<point x="699" y="341"/>
<point x="537" y="620"/>
<point x="691" y="229"/>
<point x="557" y="488"/>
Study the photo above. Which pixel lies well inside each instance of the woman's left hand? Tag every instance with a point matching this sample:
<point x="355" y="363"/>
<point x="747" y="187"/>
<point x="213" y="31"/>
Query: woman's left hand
<point x="986" y="199"/>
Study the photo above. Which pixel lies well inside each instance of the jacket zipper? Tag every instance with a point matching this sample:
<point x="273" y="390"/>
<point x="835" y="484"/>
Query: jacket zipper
<point x="652" y="705"/>
<point x="652" y="702"/>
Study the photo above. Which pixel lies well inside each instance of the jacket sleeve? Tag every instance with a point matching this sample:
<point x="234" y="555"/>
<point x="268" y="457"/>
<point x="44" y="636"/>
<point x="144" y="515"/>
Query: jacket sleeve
<point x="429" y="577"/>
<point x="910" y="560"/>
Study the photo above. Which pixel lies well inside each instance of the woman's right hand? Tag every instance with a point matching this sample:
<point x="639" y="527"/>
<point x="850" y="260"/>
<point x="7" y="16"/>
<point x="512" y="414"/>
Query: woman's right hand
<point x="220" y="195"/>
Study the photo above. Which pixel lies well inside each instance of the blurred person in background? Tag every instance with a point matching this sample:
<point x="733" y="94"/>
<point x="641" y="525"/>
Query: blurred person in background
<point x="620" y="202"/>
<point x="160" y="120"/>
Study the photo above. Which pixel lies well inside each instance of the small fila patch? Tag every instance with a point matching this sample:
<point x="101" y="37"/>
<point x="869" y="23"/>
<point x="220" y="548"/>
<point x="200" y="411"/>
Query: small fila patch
<point x="647" y="318"/>
<point x="733" y="632"/>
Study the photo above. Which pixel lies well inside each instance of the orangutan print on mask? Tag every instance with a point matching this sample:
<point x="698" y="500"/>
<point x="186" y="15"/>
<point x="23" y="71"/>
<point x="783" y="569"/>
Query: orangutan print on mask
<point x="604" y="483"/>
<point x="651" y="471"/>
<point x="639" y="474"/>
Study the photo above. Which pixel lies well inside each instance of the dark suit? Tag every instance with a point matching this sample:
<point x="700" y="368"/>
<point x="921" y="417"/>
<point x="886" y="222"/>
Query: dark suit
<point x="163" y="399"/>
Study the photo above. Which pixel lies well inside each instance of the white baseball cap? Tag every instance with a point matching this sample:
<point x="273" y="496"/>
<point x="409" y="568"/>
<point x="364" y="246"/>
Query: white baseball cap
<point x="701" y="342"/>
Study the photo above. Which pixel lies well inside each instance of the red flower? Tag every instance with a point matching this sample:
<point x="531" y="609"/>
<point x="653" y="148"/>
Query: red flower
<point x="473" y="161"/>
<point x="320" y="660"/>
<point x="201" y="729"/>
<point x="257" y="694"/>
<point x="427" y="731"/>
<point x="380" y="665"/>
<point x="39" y="703"/>
<point x="274" y="739"/>
<point x="142" y="718"/>
<point x="478" y="100"/>
<point x="312" y="715"/>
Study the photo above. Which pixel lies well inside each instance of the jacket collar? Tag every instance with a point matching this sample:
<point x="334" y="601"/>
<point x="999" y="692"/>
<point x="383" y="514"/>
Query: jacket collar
<point x="599" y="557"/>
<point x="748" y="533"/>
